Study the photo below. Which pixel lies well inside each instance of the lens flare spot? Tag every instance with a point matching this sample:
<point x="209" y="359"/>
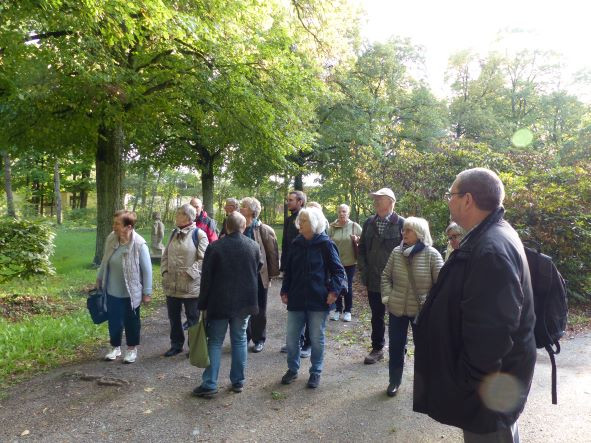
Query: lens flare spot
<point x="501" y="392"/>
<point x="522" y="138"/>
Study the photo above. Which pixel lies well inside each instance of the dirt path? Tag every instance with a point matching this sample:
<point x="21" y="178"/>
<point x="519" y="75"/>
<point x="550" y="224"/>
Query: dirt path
<point x="155" y="405"/>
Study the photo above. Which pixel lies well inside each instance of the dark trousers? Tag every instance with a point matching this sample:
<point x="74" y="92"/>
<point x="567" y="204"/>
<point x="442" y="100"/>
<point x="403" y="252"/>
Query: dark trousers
<point x="121" y="316"/>
<point x="378" y="323"/>
<point x="398" y="335"/>
<point x="174" y="306"/>
<point x="507" y="435"/>
<point x="257" y="325"/>
<point x="350" y="270"/>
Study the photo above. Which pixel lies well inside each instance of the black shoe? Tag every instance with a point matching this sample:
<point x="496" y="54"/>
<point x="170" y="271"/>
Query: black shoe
<point x="173" y="351"/>
<point x="374" y="356"/>
<point x="237" y="388"/>
<point x="305" y="352"/>
<point x="258" y="347"/>
<point x="200" y="391"/>
<point x="314" y="380"/>
<point x="288" y="377"/>
<point x="392" y="389"/>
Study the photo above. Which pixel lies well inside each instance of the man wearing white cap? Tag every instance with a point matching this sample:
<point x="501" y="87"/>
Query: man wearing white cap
<point x="381" y="234"/>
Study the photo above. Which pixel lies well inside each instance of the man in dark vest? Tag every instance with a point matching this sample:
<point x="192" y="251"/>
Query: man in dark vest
<point x="381" y="233"/>
<point x="474" y="344"/>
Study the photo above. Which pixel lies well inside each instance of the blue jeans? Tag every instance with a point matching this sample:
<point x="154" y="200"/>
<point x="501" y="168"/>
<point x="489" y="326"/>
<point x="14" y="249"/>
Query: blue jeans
<point x="296" y="320"/>
<point x="397" y="333"/>
<point x="216" y="332"/>
<point x="121" y="316"/>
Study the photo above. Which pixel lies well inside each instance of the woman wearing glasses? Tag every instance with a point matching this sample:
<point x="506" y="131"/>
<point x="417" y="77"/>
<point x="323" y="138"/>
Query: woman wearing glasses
<point x="455" y="233"/>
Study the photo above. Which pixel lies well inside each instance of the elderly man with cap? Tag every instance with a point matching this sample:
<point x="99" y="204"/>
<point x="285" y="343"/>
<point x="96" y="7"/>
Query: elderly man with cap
<point x="381" y="233"/>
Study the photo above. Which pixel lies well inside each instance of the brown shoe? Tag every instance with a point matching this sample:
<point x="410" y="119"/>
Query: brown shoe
<point x="374" y="356"/>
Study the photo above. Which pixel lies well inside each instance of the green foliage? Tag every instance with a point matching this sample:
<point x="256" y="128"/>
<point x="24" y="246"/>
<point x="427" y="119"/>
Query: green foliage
<point x="25" y="248"/>
<point x="44" y="341"/>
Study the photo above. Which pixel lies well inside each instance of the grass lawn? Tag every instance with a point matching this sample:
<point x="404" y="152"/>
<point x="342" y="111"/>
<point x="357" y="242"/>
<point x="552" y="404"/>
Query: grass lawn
<point x="43" y="321"/>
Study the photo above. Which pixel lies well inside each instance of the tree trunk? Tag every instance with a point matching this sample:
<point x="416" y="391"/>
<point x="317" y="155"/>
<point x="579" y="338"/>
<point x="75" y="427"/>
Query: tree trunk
<point x="298" y="182"/>
<point x="8" y="185"/>
<point x="83" y="192"/>
<point x="154" y="193"/>
<point x="207" y="176"/>
<point x="108" y="183"/>
<point x="56" y="192"/>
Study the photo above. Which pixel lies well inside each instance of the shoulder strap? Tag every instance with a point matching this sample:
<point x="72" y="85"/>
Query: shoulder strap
<point x="195" y="237"/>
<point x="411" y="278"/>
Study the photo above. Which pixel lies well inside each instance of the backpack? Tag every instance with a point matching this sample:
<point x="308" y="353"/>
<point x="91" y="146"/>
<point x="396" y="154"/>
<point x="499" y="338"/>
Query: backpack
<point x="194" y="236"/>
<point x="550" y="306"/>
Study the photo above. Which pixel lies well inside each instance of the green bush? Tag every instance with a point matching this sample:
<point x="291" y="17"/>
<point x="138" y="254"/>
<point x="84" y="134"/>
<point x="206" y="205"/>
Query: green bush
<point x="25" y="248"/>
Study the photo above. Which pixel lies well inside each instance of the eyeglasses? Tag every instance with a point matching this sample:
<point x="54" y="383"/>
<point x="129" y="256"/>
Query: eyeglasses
<point x="448" y="195"/>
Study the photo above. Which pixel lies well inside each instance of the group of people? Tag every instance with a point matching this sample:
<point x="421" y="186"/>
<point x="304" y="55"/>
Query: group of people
<point x="471" y="316"/>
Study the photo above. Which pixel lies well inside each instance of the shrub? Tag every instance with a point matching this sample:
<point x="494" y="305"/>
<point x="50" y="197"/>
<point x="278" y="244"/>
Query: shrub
<point x="25" y="248"/>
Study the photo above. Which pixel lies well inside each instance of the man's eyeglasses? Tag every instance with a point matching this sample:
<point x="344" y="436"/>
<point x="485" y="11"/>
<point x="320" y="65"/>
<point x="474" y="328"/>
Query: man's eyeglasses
<point x="448" y="195"/>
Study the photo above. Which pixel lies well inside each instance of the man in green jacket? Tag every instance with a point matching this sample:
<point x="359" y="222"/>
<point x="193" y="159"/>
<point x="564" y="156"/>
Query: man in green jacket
<point x="381" y="233"/>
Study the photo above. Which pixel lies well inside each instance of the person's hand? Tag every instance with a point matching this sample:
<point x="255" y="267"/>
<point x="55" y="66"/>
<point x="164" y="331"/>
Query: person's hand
<point x="146" y="299"/>
<point x="332" y="297"/>
<point x="355" y="238"/>
<point x="284" y="298"/>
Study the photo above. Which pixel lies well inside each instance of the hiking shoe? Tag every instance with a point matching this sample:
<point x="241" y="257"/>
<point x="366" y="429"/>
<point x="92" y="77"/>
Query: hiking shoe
<point x="237" y="388"/>
<point x="130" y="356"/>
<point x="305" y="352"/>
<point x="173" y="351"/>
<point x="392" y="389"/>
<point x="335" y="315"/>
<point x="314" y="380"/>
<point x="289" y="377"/>
<point x="115" y="352"/>
<point x="347" y="316"/>
<point x="374" y="356"/>
<point x="258" y="347"/>
<point x="202" y="392"/>
<point x="283" y="349"/>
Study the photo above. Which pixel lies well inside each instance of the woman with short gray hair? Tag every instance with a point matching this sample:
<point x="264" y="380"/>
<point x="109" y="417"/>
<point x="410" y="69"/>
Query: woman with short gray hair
<point x="455" y="233"/>
<point x="181" y="274"/>
<point x="409" y="274"/>
<point x="265" y="236"/>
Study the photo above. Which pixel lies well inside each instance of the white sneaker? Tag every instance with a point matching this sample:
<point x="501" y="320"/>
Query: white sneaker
<point x="130" y="356"/>
<point x="115" y="352"/>
<point x="334" y="316"/>
<point x="347" y="316"/>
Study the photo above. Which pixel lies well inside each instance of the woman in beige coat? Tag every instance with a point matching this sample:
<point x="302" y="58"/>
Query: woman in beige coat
<point x="410" y="272"/>
<point x="181" y="274"/>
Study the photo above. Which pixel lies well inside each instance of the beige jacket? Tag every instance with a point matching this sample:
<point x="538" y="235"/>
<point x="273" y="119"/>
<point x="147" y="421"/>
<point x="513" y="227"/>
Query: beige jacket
<point x="265" y="236"/>
<point x="341" y="236"/>
<point x="181" y="263"/>
<point x="397" y="292"/>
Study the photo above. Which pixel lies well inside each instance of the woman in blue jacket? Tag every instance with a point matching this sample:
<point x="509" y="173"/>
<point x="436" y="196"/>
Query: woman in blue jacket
<point x="313" y="278"/>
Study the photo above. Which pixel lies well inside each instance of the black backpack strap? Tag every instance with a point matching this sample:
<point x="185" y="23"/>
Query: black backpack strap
<point x="551" y="354"/>
<point x="195" y="237"/>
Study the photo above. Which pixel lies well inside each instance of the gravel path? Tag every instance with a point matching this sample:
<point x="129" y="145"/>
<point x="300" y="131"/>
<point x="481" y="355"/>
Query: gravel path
<point x="150" y="401"/>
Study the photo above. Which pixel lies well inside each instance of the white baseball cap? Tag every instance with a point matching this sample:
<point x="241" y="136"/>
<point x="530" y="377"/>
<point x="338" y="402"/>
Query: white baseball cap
<point x="384" y="191"/>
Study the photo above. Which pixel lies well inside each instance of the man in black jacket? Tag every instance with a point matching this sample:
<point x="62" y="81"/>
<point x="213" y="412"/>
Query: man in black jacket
<point x="381" y="233"/>
<point x="229" y="294"/>
<point x="475" y="347"/>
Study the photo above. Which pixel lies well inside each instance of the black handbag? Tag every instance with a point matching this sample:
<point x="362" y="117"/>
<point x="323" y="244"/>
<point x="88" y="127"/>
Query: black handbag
<point x="97" y="306"/>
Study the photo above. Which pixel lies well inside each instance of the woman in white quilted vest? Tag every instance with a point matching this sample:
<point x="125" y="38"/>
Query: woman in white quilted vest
<point x="410" y="272"/>
<point x="181" y="274"/>
<point x="126" y="275"/>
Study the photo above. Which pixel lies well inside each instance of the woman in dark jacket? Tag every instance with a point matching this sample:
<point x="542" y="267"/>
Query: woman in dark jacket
<point x="313" y="278"/>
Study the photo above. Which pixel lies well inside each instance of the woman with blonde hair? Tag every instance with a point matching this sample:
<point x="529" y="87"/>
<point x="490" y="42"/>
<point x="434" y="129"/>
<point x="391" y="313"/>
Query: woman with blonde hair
<point x="410" y="272"/>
